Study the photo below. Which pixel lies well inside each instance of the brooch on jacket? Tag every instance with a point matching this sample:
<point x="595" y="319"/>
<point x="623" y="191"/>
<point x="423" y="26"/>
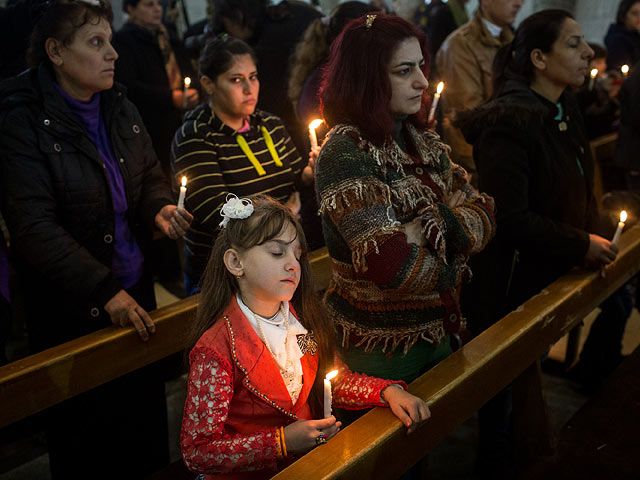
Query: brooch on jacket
<point x="307" y="343"/>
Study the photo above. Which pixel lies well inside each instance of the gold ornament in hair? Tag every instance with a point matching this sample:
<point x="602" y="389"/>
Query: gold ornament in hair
<point x="369" y="21"/>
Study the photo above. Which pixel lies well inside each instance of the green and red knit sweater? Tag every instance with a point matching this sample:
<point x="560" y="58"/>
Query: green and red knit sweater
<point x="384" y="290"/>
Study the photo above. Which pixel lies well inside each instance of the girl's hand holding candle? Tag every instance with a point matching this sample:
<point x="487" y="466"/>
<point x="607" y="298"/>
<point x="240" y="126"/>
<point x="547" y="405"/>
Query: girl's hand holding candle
<point x="592" y="79"/>
<point x="183" y="192"/>
<point x="625" y="70"/>
<point x="434" y="104"/>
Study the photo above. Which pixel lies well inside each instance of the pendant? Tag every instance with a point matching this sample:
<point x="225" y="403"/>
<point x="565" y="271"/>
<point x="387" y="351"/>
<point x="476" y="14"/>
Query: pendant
<point x="307" y="343"/>
<point x="562" y="126"/>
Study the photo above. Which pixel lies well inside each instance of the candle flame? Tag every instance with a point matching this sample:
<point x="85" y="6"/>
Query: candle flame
<point x="440" y="88"/>
<point x="331" y="374"/>
<point x="187" y="81"/>
<point x="623" y="216"/>
<point x="594" y="73"/>
<point x="316" y="123"/>
<point x="184" y="181"/>
<point x="624" y="69"/>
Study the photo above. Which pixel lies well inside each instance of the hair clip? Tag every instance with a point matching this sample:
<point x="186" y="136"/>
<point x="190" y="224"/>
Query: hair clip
<point x="235" y="208"/>
<point x="223" y="37"/>
<point x="369" y="21"/>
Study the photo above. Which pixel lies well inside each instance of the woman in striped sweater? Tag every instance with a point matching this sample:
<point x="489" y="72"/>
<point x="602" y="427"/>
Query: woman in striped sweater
<point x="227" y="146"/>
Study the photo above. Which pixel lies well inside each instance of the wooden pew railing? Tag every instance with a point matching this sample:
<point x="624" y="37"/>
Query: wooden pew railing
<point x="374" y="446"/>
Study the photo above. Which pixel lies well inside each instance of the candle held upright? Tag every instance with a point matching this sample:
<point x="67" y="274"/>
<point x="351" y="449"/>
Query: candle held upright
<point x="616" y="236"/>
<point x="327" y="392"/>
<point x="592" y="79"/>
<point x="183" y="192"/>
<point x="625" y="70"/>
<point x="313" y="139"/>
<point x="434" y="104"/>
<point x="185" y="92"/>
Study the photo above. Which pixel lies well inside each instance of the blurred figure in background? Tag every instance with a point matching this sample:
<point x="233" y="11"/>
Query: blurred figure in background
<point x="438" y="19"/>
<point x="623" y="37"/>
<point x="464" y="64"/>
<point x="598" y="98"/>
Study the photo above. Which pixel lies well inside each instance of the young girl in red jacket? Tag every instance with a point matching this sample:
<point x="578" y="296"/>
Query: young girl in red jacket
<point x="261" y="348"/>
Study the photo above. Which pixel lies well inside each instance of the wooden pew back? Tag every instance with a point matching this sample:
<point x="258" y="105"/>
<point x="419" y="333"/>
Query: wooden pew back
<point x="376" y="446"/>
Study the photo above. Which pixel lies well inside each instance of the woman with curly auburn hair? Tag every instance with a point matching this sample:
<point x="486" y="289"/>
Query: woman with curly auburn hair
<point x="400" y="219"/>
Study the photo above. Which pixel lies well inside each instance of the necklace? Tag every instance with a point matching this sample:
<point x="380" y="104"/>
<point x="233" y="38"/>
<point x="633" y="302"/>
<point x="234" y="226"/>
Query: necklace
<point x="286" y="368"/>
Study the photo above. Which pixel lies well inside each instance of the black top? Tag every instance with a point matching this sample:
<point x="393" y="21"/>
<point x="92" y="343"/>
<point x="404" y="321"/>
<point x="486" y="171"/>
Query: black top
<point x="623" y="47"/>
<point x="57" y="204"/>
<point x="536" y="164"/>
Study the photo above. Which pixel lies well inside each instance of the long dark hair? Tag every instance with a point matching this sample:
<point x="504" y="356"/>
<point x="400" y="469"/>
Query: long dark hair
<point x="513" y="61"/>
<point x="356" y="89"/>
<point x="217" y="55"/>
<point x="61" y="20"/>
<point x="623" y="9"/>
<point x="268" y="220"/>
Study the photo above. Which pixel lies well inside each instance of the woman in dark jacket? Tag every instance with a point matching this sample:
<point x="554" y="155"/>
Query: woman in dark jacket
<point x="81" y="192"/>
<point x="623" y="37"/>
<point x="530" y="143"/>
<point x="532" y="156"/>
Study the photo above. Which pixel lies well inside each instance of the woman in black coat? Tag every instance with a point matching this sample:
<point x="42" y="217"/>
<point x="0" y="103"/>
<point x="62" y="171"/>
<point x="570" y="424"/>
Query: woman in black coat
<point x="530" y="144"/>
<point x="81" y="192"/>
<point x="532" y="156"/>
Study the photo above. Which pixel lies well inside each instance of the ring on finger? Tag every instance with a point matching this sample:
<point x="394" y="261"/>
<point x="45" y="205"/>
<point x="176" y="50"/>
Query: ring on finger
<point x="320" y="439"/>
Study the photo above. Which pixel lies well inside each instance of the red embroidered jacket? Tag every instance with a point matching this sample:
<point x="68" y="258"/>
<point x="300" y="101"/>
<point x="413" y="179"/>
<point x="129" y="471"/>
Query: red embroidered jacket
<point x="236" y="401"/>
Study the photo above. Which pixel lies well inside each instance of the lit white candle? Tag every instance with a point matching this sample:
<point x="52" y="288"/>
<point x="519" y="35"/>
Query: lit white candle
<point x="616" y="236"/>
<point x="183" y="192"/>
<point x="625" y="70"/>
<point x="312" y="133"/>
<point x="436" y="99"/>
<point x="327" y="392"/>
<point x="187" y="83"/>
<point x="592" y="80"/>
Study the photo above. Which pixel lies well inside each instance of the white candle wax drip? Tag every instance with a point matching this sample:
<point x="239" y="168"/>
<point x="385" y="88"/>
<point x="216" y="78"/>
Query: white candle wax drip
<point x="327" y="392"/>
<point x="436" y="98"/>
<point x="616" y="236"/>
<point x="183" y="192"/>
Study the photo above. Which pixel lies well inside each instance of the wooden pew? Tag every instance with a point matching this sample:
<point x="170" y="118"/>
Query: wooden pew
<point x="375" y="446"/>
<point x="32" y="384"/>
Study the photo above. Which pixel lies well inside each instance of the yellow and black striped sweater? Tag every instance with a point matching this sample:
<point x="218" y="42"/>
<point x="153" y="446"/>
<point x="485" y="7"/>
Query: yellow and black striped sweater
<point x="207" y="152"/>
